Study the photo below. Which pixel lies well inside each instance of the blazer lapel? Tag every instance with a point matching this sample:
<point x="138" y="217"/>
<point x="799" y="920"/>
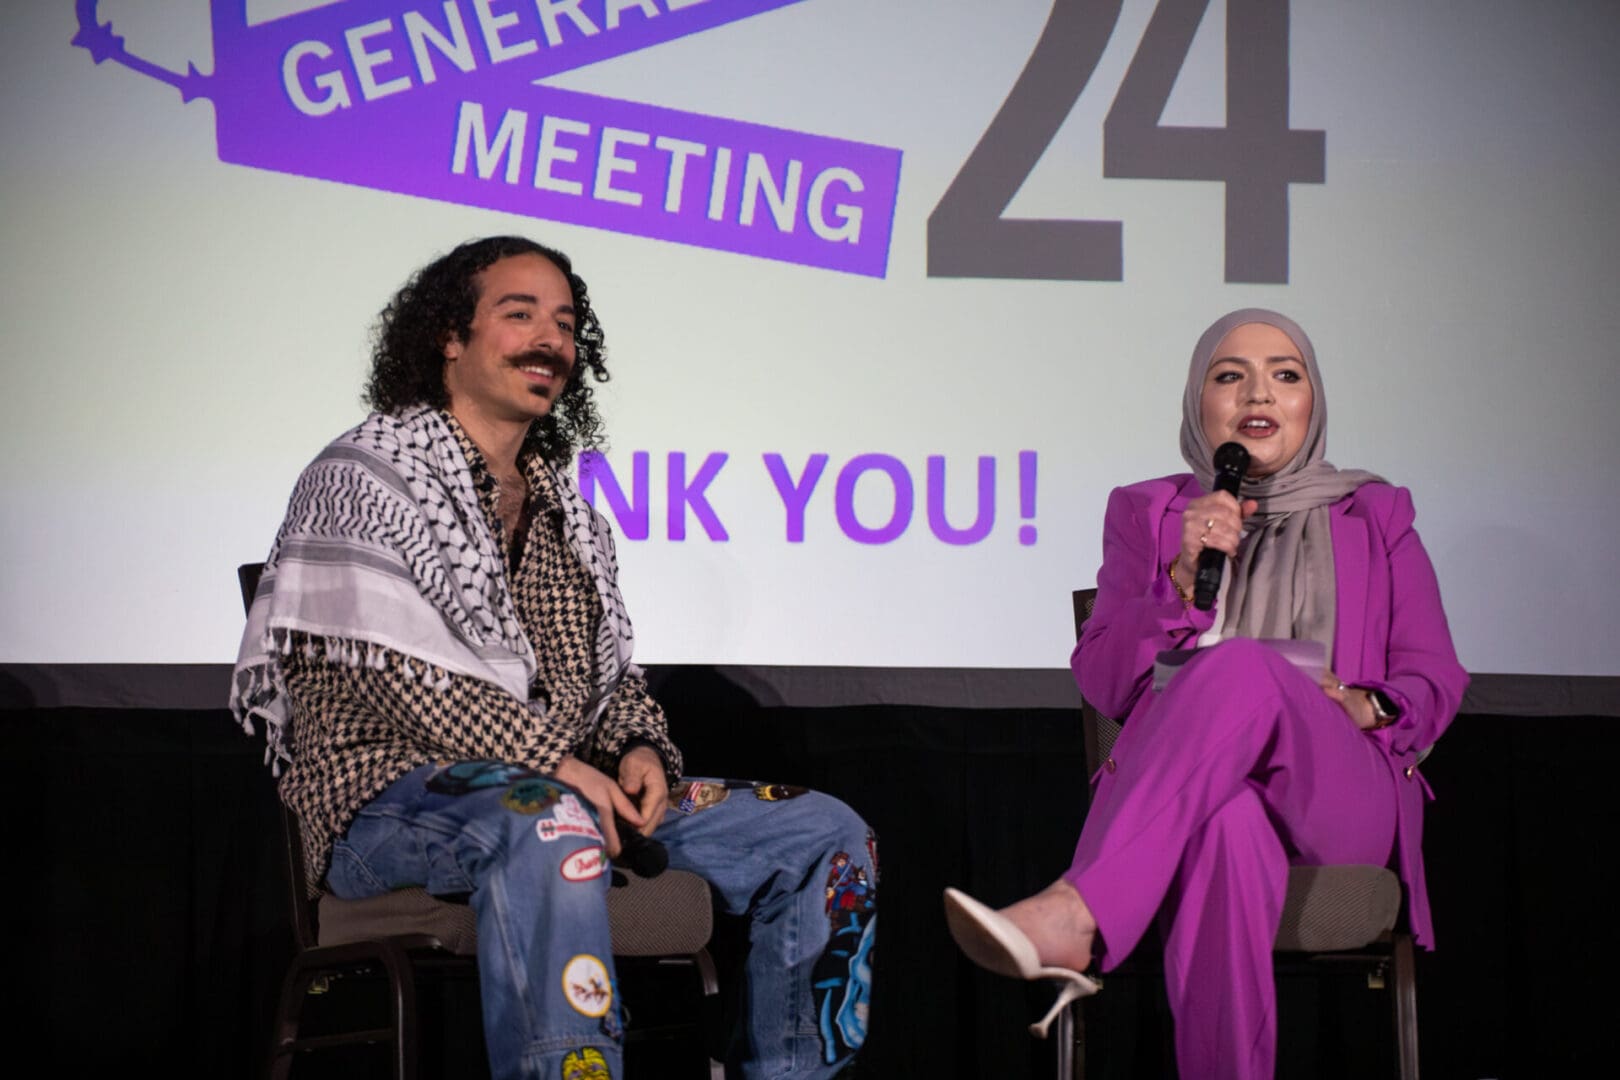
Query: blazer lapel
<point x="1350" y="589"/>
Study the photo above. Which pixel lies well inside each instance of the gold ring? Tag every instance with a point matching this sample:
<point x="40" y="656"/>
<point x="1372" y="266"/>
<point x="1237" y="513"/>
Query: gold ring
<point x="1208" y="525"/>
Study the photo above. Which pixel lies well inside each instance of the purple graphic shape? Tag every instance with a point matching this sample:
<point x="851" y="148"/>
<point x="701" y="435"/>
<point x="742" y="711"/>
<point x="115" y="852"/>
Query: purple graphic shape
<point x="452" y="38"/>
<point x="375" y="93"/>
<point x="984" y="518"/>
<point x="475" y="39"/>
<point x="588" y="160"/>
<point x="99" y="40"/>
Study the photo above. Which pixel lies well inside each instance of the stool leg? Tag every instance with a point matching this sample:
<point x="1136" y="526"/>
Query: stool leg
<point x="1406" y="1029"/>
<point x="1065" y="1043"/>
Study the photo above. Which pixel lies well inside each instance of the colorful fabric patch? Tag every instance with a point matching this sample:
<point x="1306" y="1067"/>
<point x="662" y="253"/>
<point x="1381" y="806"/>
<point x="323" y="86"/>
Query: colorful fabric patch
<point x="531" y="796"/>
<point x="778" y="792"/>
<point x="586" y="1063"/>
<point x="587" y="986"/>
<point x="843" y="879"/>
<point x="586" y="864"/>
<point x="841" y="980"/>
<point x="568" y="818"/>
<point x="854" y="892"/>
<point x="842" y="984"/>
<point x="464" y="777"/>
<point x="690" y="796"/>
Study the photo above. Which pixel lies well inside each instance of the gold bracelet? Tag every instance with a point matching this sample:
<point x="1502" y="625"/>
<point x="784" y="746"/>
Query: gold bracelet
<point x="1176" y="585"/>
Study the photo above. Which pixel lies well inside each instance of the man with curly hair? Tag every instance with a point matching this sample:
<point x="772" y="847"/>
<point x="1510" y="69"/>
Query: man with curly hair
<point x="442" y="661"/>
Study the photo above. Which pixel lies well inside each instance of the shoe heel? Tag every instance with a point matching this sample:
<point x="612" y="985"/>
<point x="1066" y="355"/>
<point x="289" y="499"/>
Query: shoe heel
<point x="1072" y="991"/>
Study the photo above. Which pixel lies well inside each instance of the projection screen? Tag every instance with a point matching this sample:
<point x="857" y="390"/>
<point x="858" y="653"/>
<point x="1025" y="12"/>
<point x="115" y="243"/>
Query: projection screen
<point x="894" y="293"/>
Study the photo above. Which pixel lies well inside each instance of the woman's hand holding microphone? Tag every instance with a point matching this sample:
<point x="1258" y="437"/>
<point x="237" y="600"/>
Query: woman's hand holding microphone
<point x="1212" y="521"/>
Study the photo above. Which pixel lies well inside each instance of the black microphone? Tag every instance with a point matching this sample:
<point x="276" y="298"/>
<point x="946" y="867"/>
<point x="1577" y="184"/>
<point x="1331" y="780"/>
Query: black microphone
<point x="1231" y="462"/>
<point x="643" y="855"/>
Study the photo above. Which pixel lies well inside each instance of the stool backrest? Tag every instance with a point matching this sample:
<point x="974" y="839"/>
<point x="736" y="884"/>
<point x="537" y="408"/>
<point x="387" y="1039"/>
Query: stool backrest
<point x="303" y="908"/>
<point x="1099" y="731"/>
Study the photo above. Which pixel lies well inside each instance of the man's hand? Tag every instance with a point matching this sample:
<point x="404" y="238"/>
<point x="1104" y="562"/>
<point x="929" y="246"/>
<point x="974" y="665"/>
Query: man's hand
<point x="641" y="774"/>
<point x="605" y="795"/>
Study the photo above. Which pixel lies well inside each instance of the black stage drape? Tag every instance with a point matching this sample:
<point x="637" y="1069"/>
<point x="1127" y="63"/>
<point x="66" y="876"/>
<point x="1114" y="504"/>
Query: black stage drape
<point x="149" y="929"/>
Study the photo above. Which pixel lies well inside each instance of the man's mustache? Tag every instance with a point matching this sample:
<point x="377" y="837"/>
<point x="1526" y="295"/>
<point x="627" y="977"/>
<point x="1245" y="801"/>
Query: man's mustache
<point x="538" y="358"/>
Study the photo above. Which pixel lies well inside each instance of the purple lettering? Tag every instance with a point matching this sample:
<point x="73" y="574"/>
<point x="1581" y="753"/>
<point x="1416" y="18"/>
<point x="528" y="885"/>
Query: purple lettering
<point x="795" y="494"/>
<point x="631" y="514"/>
<point x="844" y="501"/>
<point x="682" y="495"/>
<point x="378" y="92"/>
<point x="985" y="518"/>
<point x="1026" y="496"/>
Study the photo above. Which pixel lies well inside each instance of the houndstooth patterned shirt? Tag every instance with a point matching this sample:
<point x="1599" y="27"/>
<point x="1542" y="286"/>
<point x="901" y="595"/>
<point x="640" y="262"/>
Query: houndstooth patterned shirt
<point x="358" y="729"/>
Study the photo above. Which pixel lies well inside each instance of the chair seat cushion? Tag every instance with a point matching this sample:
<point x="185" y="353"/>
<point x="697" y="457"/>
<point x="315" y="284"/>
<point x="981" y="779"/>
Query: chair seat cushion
<point x="669" y="915"/>
<point x="1332" y="908"/>
<point x="401" y="913"/>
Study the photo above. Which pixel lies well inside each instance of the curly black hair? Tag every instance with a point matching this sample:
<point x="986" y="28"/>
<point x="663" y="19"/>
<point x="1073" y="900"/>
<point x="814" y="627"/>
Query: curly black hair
<point x="437" y="304"/>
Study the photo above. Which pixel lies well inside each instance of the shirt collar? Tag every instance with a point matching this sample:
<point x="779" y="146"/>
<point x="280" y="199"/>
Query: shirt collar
<point x="530" y="462"/>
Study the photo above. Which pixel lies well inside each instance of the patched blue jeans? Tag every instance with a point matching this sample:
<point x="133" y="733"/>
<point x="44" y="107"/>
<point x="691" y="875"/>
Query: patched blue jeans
<point x="802" y="866"/>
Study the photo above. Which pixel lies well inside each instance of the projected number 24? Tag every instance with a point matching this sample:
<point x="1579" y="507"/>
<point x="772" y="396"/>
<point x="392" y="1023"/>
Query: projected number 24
<point x="1257" y="155"/>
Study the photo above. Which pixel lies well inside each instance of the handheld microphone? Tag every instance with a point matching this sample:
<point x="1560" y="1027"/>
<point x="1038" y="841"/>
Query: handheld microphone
<point x="1231" y="462"/>
<point x="644" y="856"/>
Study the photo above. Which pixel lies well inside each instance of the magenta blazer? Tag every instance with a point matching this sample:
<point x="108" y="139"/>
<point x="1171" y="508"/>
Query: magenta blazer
<point x="1390" y="631"/>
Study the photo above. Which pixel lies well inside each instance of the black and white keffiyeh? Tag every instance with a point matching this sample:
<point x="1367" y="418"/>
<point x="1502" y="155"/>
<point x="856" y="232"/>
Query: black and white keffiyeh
<point x="385" y="547"/>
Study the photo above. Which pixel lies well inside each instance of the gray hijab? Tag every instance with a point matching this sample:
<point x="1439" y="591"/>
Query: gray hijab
<point x="1282" y="580"/>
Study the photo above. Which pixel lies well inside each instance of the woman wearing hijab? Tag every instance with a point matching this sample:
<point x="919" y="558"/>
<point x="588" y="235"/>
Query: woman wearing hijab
<point x="1245" y="762"/>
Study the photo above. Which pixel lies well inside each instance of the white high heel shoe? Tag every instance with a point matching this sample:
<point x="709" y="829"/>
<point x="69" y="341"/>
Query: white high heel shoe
<point x="995" y="944"/>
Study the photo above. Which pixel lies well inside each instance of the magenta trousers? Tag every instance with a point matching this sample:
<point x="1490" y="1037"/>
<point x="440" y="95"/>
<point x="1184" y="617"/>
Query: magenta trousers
<point x="1241" y="767"/>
